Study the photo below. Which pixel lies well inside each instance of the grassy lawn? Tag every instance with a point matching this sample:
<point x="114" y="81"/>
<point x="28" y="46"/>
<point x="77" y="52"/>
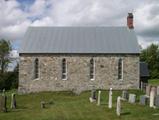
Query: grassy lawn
<point x="153" y="81"/>
<point x="66" y="106"/>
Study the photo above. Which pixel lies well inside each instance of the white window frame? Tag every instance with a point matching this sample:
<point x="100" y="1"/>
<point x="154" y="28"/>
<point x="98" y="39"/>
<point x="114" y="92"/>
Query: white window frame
<point x="122" y="67"/>
<point x="93" y="69"/>
<point x="65" y="69"/>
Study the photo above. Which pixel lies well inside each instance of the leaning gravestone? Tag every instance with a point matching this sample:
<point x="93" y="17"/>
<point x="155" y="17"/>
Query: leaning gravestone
<point x="157" y="101"/>
<point x="125" y="95"/>
<point x="144" y="99"/>
<point x="132" y="98"/>
<point x="13" y="101"/>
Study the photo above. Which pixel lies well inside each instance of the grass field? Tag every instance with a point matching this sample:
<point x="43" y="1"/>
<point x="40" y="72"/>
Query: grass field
<point x="153" y="81"/>
<point x="67" y="106"/>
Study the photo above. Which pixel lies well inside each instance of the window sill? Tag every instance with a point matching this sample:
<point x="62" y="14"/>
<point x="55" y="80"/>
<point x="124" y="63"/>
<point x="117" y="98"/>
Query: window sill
<point x="64" y="79"/>
<point x="120" y="79"/>
<point x="92" y="79"/>
<point x="36" y="79"/>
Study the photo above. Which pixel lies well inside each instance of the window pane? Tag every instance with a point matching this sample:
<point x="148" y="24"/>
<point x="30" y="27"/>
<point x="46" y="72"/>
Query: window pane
<point x="64" y="68"/>
<point x="91" y="69"/>
<point x="36" y="68"/>
<point x="120" y="69"/>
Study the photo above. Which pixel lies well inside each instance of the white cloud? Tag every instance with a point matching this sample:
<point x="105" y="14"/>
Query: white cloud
<point x="47" y="21"/>
<point x="14" y="21"/>
<point x="145" y="43"/>
<point x="14" y="54"/>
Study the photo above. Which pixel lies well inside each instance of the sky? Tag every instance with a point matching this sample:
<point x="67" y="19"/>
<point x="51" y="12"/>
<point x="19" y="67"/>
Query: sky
<point x="17" y="15"/>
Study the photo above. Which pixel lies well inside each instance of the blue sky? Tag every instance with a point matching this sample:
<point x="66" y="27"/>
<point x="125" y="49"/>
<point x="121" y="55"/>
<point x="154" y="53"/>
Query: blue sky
<point x="24" y="4"/>
<point x="17" y="15"/>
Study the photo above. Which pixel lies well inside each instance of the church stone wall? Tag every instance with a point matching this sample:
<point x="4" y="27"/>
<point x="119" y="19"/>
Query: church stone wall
<point x="78" y="66"/>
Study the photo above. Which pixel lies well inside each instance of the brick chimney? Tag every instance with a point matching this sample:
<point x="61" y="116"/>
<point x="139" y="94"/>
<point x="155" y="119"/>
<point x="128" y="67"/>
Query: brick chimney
<point x="130" y="21"/>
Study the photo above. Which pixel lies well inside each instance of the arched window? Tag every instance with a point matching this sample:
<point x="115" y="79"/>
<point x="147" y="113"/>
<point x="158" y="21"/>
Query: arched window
<point x="120" y="69"/>
<point x="64" y="69"/>
<point x="92" y="69"/>
<point x="36" y="68"/>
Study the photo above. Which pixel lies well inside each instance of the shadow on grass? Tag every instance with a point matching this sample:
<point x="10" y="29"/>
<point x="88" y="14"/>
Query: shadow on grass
<point x="125" y="113"/>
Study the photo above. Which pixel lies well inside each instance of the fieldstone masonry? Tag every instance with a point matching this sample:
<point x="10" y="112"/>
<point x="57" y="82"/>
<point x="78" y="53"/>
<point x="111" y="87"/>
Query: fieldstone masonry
<point x="78" y="69"/>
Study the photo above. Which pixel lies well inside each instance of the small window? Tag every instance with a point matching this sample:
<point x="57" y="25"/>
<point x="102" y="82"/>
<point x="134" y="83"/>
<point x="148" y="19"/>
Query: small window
<point x="120" y="69"/>
<point x="92" y="69"/>
<point x="36" y="68"/>
<point x="64" y="69"/>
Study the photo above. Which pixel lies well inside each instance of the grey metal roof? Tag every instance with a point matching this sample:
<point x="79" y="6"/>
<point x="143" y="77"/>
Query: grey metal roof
<point x="144" y="72"/>
<point x="79" y="40"/>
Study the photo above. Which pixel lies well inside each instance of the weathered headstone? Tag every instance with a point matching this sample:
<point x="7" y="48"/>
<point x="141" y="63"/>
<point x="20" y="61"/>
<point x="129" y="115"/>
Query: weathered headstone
<point x="118" y="107"/>
<point x="43" y="104"/>
<point x="125" y="95"/>
<point x="144" y="99"/>
<point x="3" y="103"/>
<point x="148" y="88"/>
<point x="13" y="101"/>
<point x="93" y="96"/>
<point x="3" y="92"/>
<point x="110" y="98"/>
<point x="157" y="90"/>
<point x="152" y="96"/>
<point x="98" y="101"/>
<point x="132" y="98"/>
<point x="157" y="101"/>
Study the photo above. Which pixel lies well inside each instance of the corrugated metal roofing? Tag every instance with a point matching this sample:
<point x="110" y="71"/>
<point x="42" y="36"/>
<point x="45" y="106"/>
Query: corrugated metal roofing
<point x="79" y="40"/>
<point x="144" y="72"/>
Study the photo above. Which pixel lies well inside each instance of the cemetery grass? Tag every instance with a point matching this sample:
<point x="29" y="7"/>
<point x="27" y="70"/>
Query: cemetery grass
<point x="67" y="106"/>
<point x="153" y="81"/>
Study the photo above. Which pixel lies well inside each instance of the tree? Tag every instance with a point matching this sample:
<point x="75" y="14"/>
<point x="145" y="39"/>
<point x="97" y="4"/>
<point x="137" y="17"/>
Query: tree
<point x="5" y="48"/>
<point x="151" y="56"/>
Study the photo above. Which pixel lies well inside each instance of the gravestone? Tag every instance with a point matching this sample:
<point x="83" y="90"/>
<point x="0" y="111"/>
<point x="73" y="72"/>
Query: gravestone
<point x="42" y="104"/>
<point x="125" y="95"/>
<point x="148" y="88"/>
<point x="118" y="107"/>
<point x="3" y="103"/>
<point x="110" y="98"/>
<point x="3" y="92"/>
<point x="157" y="101"/>
<point x="13" y="101"/>
<point x="98" y="101"/>
<point x="157" y="90"/>
<point x="152" y="96"/>
<point x="132" y="98"/>
<point x="93" y="96"/>
<point x="144" y="99"/>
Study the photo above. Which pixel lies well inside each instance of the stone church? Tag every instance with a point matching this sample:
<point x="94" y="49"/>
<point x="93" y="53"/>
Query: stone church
<point x="77" y="58"/>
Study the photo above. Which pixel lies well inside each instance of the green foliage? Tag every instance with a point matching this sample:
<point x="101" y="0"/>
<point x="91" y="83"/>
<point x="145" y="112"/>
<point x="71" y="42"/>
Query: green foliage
<point x="8" y="80"/>
<point x="151" y="56"/>
<point x="5" y="48"/>
<point x="70" y="107"/>
<point x="153" y="82"/>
